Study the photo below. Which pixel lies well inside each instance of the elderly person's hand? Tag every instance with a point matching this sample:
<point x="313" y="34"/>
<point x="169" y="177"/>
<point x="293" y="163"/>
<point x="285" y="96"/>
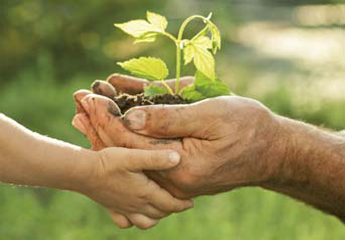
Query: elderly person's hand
<point x="228" y="142"/>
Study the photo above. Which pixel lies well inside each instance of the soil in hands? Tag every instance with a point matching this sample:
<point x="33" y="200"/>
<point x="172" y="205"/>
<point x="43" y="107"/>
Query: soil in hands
<point x="125" y="101"/>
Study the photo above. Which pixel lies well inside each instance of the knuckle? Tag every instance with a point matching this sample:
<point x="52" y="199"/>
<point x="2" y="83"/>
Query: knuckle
<point x="156" y="158"/>
<point x="150" y="159"/>
<point x="143" y="195"/>
<point x="187" y="180"/>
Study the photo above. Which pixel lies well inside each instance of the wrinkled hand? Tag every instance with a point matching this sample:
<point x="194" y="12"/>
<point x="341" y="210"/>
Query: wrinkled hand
<point x="225" y="142"/>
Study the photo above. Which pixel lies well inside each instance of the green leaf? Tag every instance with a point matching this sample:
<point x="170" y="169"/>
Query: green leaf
<point x="188" y="53"/>
<point x="203" y="41"/>
<point x="146" y="37"/>
<point x="146" y="67"/>
<point x="152" y="90"/>
<point x="189" y="93"/>
<point x="209" y="88"/>
<point x="203" y="88"/>
<point x="157" y="20"/>
<point x="204" y="61"/>
<point x="213" y="89"/>
<point x="216" y="39"/>
<point x="202" y="33"/>
<point x="197" y="49"/>
<point x="136" y="28"/>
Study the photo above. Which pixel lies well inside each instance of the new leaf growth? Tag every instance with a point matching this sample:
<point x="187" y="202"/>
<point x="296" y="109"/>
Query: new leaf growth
<point x="199" y="50"/>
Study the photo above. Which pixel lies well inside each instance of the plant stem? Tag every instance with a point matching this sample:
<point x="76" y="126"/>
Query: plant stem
<point x="178" y="65"/>
<point x="168" y="35"/>
<point x="171" y="37"/>
<point x="168" y="87"/>
<point x="178" y="47"/>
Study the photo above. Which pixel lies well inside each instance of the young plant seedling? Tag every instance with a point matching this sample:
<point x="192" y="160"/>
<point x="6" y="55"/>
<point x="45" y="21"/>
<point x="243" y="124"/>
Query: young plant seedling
<point x="199" y="50"/>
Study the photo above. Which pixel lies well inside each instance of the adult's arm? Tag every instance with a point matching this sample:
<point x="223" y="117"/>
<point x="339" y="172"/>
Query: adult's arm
<point x="313" y="169"/>
<point x="112" y="177"/>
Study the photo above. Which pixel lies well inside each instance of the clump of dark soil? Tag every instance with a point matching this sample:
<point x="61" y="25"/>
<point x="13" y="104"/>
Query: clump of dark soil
<point x="125" y="101"/>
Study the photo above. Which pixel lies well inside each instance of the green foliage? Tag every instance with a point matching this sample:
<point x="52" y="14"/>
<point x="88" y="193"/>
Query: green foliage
<point x="204" y="87"/>
<point x="157" y="20"/>
<point x="142" y="30"/>
<point x="146" y="67"/>
<point x="136" y="28"/>
<point x="203" y="59"/>
<point x="199" y="49"/>
<point x="152" y="90"/>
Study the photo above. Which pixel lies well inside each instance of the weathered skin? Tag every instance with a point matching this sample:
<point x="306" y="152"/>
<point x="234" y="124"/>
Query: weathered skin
<point x="226" y="143"/>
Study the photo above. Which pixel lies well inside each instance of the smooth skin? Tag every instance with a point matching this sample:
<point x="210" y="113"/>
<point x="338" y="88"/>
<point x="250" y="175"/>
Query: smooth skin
<point x="112" y="177"/>
<point x="226" y="143"/>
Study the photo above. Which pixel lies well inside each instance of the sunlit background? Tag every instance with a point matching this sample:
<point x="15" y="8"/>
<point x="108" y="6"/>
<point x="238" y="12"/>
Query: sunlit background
<point x="290" y="55"/>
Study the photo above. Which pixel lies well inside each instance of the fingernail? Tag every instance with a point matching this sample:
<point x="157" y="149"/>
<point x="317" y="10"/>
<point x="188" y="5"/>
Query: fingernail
<point x="135" y="119"/>
<point x="174" y="157"/>
<point x="103" y="88"/>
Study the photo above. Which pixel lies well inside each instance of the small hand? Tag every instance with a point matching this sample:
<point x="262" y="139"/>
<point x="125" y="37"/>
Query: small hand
<point x="117" y="182"/>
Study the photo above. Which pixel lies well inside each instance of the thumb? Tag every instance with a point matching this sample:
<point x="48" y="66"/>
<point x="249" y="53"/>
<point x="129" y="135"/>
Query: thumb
<point x="171" y="121"/>
<point x="138" y="160"/>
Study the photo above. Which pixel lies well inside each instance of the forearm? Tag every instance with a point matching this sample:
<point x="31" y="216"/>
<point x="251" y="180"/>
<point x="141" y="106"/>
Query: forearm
<point x="314" y="167"/>
<point x="27" y="158"/>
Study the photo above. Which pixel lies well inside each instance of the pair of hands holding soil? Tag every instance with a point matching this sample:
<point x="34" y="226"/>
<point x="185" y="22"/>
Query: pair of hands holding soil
<point x="223" y="143"/>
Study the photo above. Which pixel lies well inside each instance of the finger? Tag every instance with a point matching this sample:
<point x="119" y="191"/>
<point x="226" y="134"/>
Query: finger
<point x="127" y="84"/>
<point x="120" y="220"/>
<point x="132" y="85"/>
<point x="104" y="116"/>
<point x="103" y="88"/>
<point x="78" y="124"/>
<point x="78" y="96"/>
<point x="153" y="212"/>
<point x="163" y="181"/>
<point x="163" y="200"/>
<point x="138" y="160"/>
<point x="142" y="221"/>
<point x="82" y="123"/>
<point x="171" y="121"/>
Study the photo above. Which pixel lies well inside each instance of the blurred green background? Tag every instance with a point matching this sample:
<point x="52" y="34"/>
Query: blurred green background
<point x="290" y="55"/>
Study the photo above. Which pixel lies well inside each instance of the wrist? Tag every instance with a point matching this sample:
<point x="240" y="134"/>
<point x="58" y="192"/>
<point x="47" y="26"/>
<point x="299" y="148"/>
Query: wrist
<point x="294" y="146"/>
<point x="80" y="179"/>
<point x="307" y="150"/>
<point x="274" y="153"/>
